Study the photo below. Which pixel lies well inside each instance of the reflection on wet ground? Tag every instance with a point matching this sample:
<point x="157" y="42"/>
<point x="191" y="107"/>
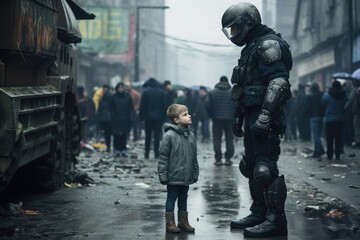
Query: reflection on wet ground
<point x="127" y="204"/>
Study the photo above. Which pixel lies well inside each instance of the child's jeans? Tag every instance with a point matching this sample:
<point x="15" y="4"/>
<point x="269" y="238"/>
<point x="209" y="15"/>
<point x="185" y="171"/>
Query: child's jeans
<point x="178" y="192"/>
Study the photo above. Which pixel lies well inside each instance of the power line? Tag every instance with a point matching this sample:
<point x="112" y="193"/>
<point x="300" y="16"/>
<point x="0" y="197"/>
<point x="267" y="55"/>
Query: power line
<point x="184" y="40"/>
<point x="191" y="50"/>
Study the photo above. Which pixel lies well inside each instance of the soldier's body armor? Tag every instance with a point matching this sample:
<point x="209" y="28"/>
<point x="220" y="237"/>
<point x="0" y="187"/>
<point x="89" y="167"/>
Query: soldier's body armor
<point x="262" y="60"/>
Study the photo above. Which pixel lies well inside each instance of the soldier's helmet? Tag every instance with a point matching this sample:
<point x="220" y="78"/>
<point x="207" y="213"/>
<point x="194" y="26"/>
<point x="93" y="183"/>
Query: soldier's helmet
<point x="237" y="21"/>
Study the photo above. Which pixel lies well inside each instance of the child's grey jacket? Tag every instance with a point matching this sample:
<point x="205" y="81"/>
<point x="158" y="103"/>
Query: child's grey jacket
<point x="178" y="163"/>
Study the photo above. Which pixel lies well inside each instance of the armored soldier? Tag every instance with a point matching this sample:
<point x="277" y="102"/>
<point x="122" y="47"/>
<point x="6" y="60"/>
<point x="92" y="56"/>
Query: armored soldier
<point x="260" y="89"/>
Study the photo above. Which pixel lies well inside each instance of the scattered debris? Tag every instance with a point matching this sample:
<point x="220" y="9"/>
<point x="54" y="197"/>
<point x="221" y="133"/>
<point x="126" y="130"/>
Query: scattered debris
<point x="335" y="214"/>
<point x="87" y="147"/>
<point x="341" y="175"/>
<point x="100" y="146"/>
<point x="311" y="207"/>
<point x="143" y="185"/>
<point x="19" y="209"/>
<point x="339" y="165"/>
<point x="77" y="176"/>
<point x="72" y="185"/>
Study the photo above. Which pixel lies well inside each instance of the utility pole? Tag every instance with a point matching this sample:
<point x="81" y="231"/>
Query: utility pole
<point x="351" y="33"/>
<point x="137" y="38"/>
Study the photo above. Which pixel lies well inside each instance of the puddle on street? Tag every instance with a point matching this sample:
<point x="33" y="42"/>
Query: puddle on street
<point x="223" y="196"/>
<point x="220" y="196"/>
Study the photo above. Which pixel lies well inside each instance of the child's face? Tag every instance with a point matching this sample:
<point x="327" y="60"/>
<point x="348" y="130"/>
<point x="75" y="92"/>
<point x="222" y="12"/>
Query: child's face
<point x="184" y="119"/>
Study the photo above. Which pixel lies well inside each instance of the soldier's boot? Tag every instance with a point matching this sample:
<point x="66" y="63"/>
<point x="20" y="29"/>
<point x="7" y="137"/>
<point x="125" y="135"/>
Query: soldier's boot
<point x="276" y="223"/>
<point x="258" y="208"/>
<point x="183" y="222"/>
<point x="170" y="223"/>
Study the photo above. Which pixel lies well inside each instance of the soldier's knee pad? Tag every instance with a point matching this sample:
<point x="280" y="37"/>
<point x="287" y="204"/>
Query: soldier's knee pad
<point x="262" y="174"/>
<point x="244" y="169"/>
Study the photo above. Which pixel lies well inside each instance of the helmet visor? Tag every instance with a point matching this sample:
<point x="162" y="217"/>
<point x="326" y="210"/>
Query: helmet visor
<point x="231" y="31"/>
<point x="227" y="32"/>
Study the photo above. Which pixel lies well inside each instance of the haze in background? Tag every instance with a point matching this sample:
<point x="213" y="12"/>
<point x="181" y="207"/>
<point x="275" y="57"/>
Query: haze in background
<point x="190" y="63"/>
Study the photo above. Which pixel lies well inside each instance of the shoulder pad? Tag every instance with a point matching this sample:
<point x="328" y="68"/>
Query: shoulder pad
<point x="270" y="51"/>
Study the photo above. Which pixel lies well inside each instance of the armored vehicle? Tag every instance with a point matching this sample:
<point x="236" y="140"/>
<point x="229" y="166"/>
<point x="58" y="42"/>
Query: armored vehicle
<point x="40" y="125"/>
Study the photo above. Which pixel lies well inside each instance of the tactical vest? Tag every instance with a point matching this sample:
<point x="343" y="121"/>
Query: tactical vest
<point x="249" y="86"/>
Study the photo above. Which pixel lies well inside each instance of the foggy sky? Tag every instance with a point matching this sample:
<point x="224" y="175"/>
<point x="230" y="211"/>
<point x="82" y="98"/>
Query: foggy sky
<point x="200" y="21"/>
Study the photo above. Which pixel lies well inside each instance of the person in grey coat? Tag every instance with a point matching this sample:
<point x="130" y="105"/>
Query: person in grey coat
<point x="178" y="166"/>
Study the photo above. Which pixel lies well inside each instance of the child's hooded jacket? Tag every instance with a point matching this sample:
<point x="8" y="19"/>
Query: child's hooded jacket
<point x="178" y="163"/>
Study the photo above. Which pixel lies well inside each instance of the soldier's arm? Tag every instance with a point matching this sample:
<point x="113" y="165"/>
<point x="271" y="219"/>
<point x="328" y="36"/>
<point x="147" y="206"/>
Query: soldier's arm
<point x="278" y="90"/>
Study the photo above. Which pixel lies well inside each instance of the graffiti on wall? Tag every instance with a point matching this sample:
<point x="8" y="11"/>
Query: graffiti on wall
<point x="36" y="29"/>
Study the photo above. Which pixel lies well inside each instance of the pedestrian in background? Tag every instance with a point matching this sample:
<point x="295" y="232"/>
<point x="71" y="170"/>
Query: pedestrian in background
<point x="202" y="115"/>
<point x="334" y="102"/>
<point x="291" y="124"/>
<point x="302" y="119"/>
<point x="314" y="110"/>
<point x="220" y="108"/>
<point x="135" y="123"/>
<point x="103" y="116"/>
<point x="180" y="97"/>
<point x="87" y="110"/>
<point x="178" y="166"/>
<point x="348" y="132"/>
<point x="170" y="94"/>
<point x="122" y="111"/>
<point x="354" y="105"/>
<point x="152" y="112"/>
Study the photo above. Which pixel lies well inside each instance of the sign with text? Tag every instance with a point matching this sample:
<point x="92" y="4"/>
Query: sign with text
<point x="108" y="32"/>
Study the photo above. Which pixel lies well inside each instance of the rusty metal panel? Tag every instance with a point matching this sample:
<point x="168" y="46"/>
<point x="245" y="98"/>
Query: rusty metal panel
<point x="28" y="42"/>
<point x="29" y="27"/>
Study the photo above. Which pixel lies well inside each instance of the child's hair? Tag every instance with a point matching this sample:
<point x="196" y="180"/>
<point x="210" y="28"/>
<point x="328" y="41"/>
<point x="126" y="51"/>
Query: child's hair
<point x="175" y="110"/>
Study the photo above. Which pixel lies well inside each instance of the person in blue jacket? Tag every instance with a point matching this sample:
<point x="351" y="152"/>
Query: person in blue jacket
<point x="334" y="102"/>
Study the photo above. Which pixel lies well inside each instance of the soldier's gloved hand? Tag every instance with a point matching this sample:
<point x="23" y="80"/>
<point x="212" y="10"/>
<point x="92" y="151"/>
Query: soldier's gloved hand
<point x="261" y="127"/>
<point x="237" y="127"/>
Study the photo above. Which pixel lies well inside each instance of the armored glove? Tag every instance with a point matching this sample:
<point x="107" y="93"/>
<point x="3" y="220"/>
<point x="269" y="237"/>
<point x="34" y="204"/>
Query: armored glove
<point x="261" y="127"/>
<point x="237" y="127"/>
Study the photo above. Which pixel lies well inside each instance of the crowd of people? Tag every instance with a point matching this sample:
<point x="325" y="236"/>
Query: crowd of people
<point x="326" y="118"/>
<point x="117" y="115"/>
<point x="330" y="116"/>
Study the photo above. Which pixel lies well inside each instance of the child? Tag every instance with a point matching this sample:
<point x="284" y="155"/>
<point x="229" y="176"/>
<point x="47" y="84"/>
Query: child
<point x="178" y="166"/>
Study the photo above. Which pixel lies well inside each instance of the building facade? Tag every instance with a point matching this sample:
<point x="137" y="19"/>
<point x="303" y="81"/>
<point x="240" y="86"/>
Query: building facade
<point x="107" y="52"/>
<point x="326" y="39"/>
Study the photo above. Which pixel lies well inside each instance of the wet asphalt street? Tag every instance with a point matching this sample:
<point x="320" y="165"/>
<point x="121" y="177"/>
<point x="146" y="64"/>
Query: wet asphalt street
<point x="127" y="201"/>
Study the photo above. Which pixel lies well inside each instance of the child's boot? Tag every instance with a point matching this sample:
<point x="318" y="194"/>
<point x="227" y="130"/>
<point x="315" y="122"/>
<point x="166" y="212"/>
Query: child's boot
<point x="170" y="223"/>
<point x="183" y="222"/>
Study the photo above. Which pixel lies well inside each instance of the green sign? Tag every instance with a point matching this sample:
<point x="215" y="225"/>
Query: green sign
<point x="108" y="32"/>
